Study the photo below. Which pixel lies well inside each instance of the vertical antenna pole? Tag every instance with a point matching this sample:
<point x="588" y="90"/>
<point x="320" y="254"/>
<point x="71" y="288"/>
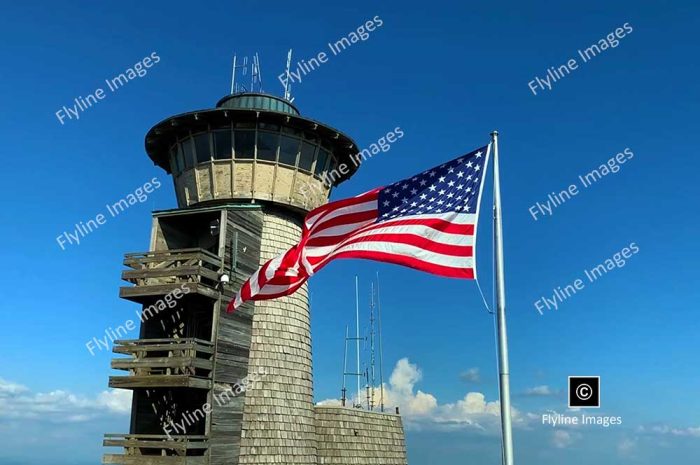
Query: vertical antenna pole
<point x="372" y="379"/>
<point x="357" y="336"/>
<point x="233" y="74"/>
<point x="345" y="366"/>
<point x="287" y="84"/>
<point x="381" y="356"/>
<point x="504" y="371"/>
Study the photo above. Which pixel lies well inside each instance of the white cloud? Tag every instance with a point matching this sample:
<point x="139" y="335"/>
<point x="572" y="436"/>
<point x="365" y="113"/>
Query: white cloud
<point x="562" y="439"/>
<point x="421" y="410"/>
<point x="626" y="447"/>
<point x="472" y="375"/>
<point x="543" y="391"/>
<point x="669" y="430"/>
<point x="18" y="402"/>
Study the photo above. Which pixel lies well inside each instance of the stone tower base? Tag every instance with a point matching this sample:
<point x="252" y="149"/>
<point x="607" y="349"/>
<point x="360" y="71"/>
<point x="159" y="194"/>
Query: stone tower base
<point x="349" y="436"/>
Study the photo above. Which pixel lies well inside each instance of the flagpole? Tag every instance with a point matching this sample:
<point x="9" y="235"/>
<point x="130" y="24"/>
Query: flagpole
<point x="504" y="372"/>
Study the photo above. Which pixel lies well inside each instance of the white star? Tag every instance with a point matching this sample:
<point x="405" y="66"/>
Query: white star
<point x="414" y="191"/>
<point x="460" y="160"/>
<point x="460" y="174"/>
<point x="448" y="205"/>
<point x="432" y="188"/>
<point x="460" y="186"/>
<point x="459" y="197"/>
<point x="478" y="154"/>
<point x="450" y="195"/>
<point x="440" y="202"/>
<point x="451" y="170"/>
<point x="469" y="189"/>
<point x="469" y="177"/>
<point x="414" y="204"/>
<point x="395" y="194"/>
<point x="387" y="190"/>
<point x="403" y="211"/>
<point x="476" y="179"/>
<point x="386" y="203"/>
<point x="469" y="164"/>
<point x="404" y="186"/>
<point x="451" y="183"/>
<point x="442" y="192"/>
<point x="423" y="196"/>
<point x="466" y="207"/>
<point x="477" y="168"/>
<point x="431" y="199"/>
<point x="395" y="209"/>
<point x="441" y="179"/>
<point x="439" y="210"/>
<point x="404" y="200"/>
<point x="423" y="182"/>
<point x="431" y="174"/>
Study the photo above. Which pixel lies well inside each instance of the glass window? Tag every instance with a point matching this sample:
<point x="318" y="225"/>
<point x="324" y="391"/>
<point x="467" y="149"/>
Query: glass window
<point x="267" y="145"/>
<point x="289" y="147"/>
<point x="311" y="136"/>
<point x="201" y="145"/>
<point x="188" y="149"/>
<point x="306" y="158"/>
<point x="321" y="161"/>
<point x="288" y="130"/>
<point x="245" y="124"/>
<point x="222" y="144"/>
<point x="180" y="158"/>
<point x="269" y="126"/>
<point x="173" y="166"/>
<point x="244" y="144"/>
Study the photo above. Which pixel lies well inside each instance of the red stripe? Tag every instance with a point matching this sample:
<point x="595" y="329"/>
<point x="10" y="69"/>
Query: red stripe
<point x="405" y="238"/>
<point x="440" y="270"/>
<point x="348" y="218"/>
<point x="324" y="210"/>
<point x="436" y="224"/>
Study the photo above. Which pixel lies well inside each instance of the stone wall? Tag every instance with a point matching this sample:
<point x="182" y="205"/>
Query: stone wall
<point x="278" y="415"/>
<point x="349" y="436"/>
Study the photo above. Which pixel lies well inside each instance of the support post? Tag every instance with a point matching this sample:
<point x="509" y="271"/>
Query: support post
<point x="504" y="372"/>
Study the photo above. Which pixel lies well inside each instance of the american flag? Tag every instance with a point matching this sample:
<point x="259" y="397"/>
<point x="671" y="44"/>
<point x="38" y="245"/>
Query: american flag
<point x="427" y="222"/>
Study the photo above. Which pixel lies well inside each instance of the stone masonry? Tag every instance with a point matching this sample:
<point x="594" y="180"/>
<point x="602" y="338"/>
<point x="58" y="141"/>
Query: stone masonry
<point x="349" y="436"/>
<point x="278" y="416"/>
<point x="281" y="425"/>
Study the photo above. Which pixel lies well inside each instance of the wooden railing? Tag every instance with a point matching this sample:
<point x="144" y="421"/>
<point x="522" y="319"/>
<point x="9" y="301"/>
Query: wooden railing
<point x="172" y="266"/>
<point x="149" y="357"/>
<point x="152" y="449"/>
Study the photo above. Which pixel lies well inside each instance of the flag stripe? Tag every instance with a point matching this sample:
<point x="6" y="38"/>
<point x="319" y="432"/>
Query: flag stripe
<point x="426" y="222"/>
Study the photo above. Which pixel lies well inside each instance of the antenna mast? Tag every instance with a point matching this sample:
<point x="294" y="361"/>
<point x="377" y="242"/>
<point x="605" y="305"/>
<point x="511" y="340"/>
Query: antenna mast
<point x="357" y="335"/>
<point x="287" y="83"/>
<point x="256" y="74"/>
<point x="345" y="366"/>
<point x="372" y="380"/>
<point x="381" y="358"/>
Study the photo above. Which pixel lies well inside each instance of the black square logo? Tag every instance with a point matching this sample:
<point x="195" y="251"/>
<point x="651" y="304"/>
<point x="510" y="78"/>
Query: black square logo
<point x="584" y="391"/>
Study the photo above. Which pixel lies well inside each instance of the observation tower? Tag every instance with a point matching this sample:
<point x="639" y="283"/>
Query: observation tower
<point x="226" y="389"/>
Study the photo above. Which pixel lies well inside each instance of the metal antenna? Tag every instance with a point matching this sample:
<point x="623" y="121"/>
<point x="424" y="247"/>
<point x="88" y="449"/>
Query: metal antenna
<point x="381" y="358"/>
<point x="357" y="333"/>
<point x="233" y="75"/>
<point x="287" y="83"/>
<point x="236" y="87"/>
<point x="345" y="366"/>
<point x="357" y="403"/>
<point x="372" y="380"/>
<point x="256" y="74"/>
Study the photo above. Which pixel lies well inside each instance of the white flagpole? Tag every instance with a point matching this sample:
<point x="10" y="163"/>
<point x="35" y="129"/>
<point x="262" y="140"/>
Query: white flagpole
<point x="504" y="372"/>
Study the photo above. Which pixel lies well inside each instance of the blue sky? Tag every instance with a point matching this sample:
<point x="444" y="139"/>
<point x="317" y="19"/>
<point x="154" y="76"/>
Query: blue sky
<point x="447" y="76"/>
